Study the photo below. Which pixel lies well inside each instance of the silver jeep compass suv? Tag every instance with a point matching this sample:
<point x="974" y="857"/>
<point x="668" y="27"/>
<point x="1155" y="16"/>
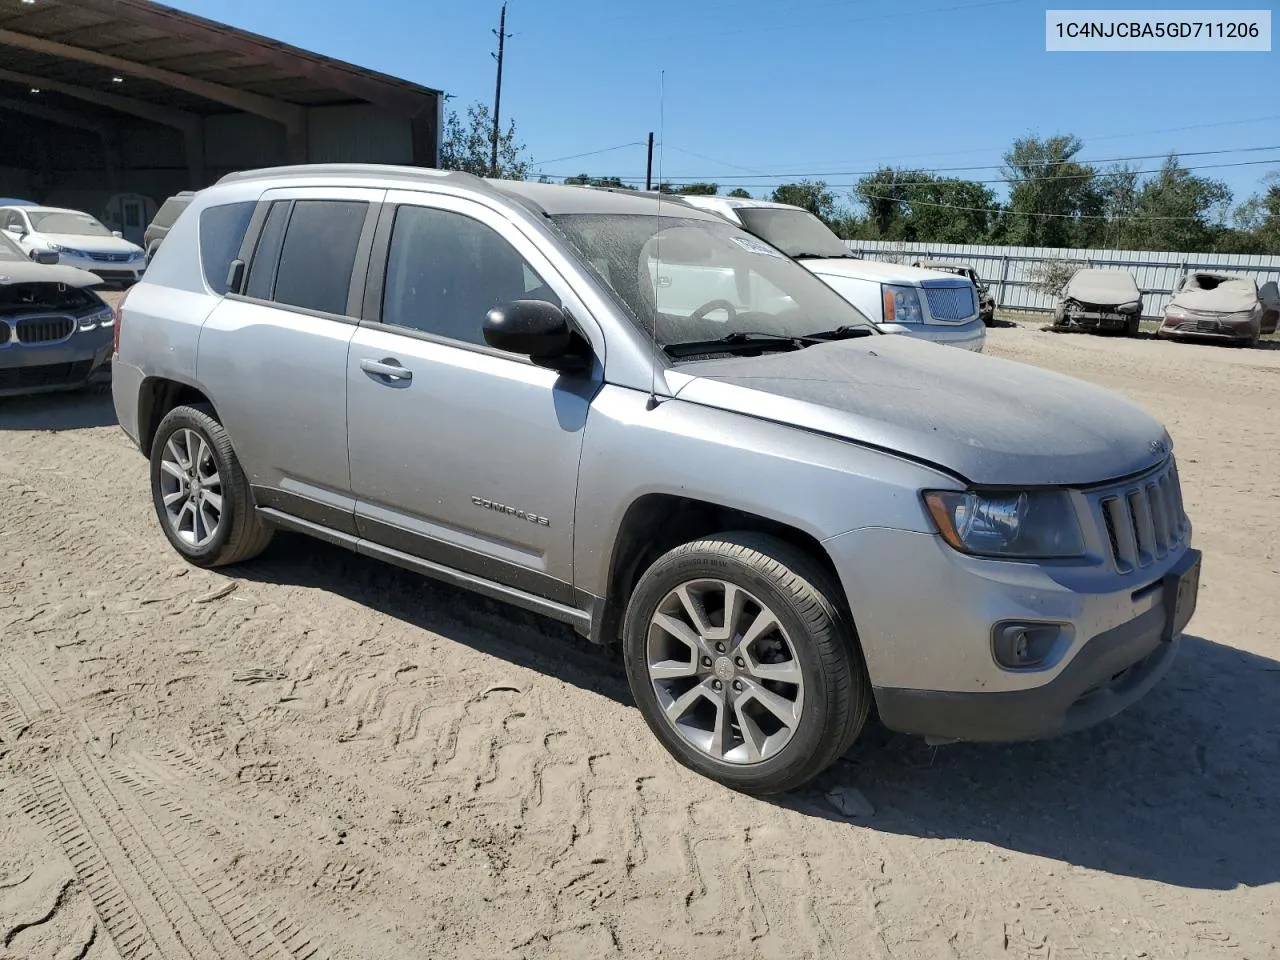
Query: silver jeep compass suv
<point x="635" y="417"/>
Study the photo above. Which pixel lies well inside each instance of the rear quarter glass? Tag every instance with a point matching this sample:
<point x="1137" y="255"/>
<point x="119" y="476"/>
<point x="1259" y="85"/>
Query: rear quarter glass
<point x="222" y="230"/>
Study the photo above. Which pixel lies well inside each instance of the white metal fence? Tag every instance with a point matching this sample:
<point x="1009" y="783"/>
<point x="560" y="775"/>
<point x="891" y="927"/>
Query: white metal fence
<point x="1011" y="272"/>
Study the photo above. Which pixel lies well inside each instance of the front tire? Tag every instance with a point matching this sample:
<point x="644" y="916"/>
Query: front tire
<point x="743" y="663"/>
<point x="200" y="492"/>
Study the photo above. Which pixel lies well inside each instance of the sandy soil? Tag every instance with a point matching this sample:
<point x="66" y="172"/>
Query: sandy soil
<point x="318" y="756"/>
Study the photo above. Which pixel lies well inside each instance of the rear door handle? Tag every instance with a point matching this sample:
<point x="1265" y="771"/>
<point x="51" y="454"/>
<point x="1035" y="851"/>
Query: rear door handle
<point x="387" y="370"/>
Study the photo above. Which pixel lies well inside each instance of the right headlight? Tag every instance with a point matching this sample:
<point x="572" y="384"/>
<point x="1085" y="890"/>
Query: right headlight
<point x="1014" y="525"/>
<point x="902" y="304"/>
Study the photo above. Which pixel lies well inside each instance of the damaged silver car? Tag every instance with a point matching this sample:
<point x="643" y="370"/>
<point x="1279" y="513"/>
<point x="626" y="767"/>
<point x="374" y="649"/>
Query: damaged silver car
<point x="1221" y="306"/>
<point x="1100" y="300"/>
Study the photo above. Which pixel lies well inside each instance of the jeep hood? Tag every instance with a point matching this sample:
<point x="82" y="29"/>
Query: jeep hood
<point x="991" y="421"/>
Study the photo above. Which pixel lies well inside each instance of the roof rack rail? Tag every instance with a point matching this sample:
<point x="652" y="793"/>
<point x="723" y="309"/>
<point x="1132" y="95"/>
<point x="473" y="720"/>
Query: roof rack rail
<point x="385" y="170"/>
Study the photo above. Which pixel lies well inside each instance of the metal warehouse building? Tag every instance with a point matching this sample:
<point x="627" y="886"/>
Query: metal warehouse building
<point x="111" y="106"/>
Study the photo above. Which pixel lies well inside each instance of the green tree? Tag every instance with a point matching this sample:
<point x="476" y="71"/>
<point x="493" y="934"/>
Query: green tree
<point x="468" y="142"/>
<point x="583" y="180"/>
<point x="915" y="205"/>
<point x="813" y="195"/>
<point x="690" y="189"/>
<point x="739" y="193"/>
<point x="1255" y="224"/>
<point x="1177" y="211"/>
<point x="884" y="197"/>
<point x="1052" y="196"/>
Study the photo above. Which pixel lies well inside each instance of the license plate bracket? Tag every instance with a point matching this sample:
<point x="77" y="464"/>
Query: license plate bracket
<point x="1181" y="593"/>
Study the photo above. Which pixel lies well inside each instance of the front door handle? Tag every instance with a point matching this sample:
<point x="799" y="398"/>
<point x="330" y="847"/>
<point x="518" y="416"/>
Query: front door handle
<point x="387" y="370"/>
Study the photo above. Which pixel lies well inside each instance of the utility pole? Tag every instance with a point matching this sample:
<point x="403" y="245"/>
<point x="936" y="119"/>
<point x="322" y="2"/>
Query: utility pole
<point x="648" y="169"/>
<point x="497" y="93"/>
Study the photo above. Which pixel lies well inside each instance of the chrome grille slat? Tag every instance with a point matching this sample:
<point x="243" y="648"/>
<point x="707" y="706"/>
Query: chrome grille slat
<point x="1160" y="517"/>
<point x="1125" y="543"/>
<point x="4" y="333"/>
<point x="1143" y="518"/>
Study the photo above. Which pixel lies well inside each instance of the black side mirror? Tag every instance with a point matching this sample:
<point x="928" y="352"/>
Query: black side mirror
<point x="535" y="329"/>
<point x="48" y="257"/>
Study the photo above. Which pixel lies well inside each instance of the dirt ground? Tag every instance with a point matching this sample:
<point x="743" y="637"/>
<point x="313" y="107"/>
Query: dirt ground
<point x="318" y="756"/>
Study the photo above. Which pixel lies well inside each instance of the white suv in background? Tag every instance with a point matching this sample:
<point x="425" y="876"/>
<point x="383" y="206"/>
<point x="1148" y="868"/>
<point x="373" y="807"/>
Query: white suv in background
<point x="927" y="304"/>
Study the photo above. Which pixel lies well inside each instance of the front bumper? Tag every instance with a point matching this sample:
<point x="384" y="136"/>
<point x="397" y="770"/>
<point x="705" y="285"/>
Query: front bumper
<point x="1112" y="671"/>
<point x="125" y="271"/>
<point x="1097" y="320"/>
<point x="971" y="335"/>
<point x="925" y="617"/>
<point x="1209" y="328"/>
<point x="39" y="368"/>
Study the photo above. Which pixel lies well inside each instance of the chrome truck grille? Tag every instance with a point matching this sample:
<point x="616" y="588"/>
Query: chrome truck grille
<point x="951" y="302"/>
<point x="1144" y="518"/>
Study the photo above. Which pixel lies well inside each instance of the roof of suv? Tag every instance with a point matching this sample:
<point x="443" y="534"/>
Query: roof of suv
<point x="546" y="198"/>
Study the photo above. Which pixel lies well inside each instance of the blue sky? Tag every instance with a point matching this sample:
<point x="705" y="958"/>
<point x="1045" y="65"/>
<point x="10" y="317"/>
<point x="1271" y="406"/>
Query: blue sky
<point x="782" y="87"/>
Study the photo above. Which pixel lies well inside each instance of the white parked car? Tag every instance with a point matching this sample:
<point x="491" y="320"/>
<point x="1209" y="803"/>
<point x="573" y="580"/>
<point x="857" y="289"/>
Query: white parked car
<point x="79" y="240"/>
<point x="927" y="304"/>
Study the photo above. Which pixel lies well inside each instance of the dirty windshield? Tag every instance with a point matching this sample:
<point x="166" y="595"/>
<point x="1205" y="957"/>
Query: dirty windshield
<point x="797" y="233"/>
<point x="705" y="280"/>
<point x="68" y="224"/>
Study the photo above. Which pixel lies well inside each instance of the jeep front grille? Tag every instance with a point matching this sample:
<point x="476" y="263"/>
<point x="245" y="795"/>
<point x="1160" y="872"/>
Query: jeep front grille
<point x="44" y="329"/>
<point x="1144" y="519"/>
<point x="951" y="303"/>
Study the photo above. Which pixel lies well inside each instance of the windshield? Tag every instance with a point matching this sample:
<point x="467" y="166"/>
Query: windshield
<point x="10" y="250"/>
<point x="705" y="280"/>
<point x="797" y="233"/>
<point x="68" y="224"/>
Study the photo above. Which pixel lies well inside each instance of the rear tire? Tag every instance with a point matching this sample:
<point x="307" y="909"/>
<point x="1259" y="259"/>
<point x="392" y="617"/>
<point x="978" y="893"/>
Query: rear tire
<point x="761" y="704"/>
<point x="201" y="495"/>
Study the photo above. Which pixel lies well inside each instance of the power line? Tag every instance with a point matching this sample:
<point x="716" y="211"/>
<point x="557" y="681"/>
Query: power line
<point x="789" y="177"/>
<point x="1085" y="139"/>
<point x="923" y="183"/>
<point x="714" y="160"/>
<point x="591" y="153"/>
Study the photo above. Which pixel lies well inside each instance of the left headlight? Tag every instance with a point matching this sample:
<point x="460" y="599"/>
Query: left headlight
<point x="902" y="304"/>
<point x="1025" y="525"/>
<point x="99" y="318"/>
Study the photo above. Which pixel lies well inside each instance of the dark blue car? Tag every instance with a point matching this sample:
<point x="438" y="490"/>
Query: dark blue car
<point x="55" y="331"/>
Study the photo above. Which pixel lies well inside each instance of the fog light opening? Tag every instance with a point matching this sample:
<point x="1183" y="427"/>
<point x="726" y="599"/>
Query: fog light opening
<point x="1025" y="646"/>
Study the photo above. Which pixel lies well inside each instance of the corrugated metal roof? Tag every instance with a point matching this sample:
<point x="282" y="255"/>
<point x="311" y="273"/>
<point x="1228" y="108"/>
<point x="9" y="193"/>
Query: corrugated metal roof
<point x="157" y="37"/>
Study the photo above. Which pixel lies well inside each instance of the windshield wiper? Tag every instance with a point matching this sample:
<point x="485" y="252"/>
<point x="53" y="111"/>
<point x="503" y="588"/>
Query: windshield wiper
<point x="842" y="333"/>
<point x="823" y="256"/>
<point x="740" y="342"/>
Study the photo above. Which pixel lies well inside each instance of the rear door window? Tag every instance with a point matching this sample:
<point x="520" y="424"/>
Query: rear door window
<point x="222" y="230"/>
<point x="262" y="270"/>
<point x="319" y="254"/>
